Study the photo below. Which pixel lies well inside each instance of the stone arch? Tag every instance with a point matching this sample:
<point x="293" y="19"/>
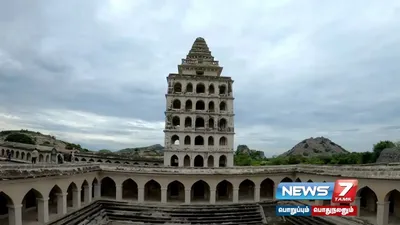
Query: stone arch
<point x="71" y="196"/>
<point x="41" y="158"/>
<point x="83" y="193"/>
<point x="310" y="181"/>
<point x="146" y="164"/>
<point x="2" y="152"/>
<point x="48" y="158"/>
<point x="129" y="190"/>
<point x="176" y="104"/>
<point x="175" y="139"/>
<point x="222" y="106"/>
<point x="267" y="189"/>
<point x="126" y="163"/>
<point x="393" y="197"/>
<point x="17" y="154"/>
<point x="189" y="87"/>
<point x="210" y="161"/>
<point x="188" y="122"/>
<point x="188" y="105"/>
<point x="224" y="191"/>
<point x="186" y="161"/>
<point x="177" y="87"/>
<point x="198" y="161"/>
<point x="222" y="89"/>
<point x="176" y="121"/>
<point x="76" y="159"/>
<point x="211" y="123"/>
<point x="297" y="180"/>
<point x="174" y="161"/>
<point x="223" y="141"/>
<point x="83" y="160"/>
<point x="55" y="200"/>
<point x="211" y="89"/>
<point x="95" y="182"/>
<point x="100" y="160"/>
<point x="5" y="201"/>
<point x="28" y="156"/>
<point x="246" y="190"/>
<point x="200" y="191"/>
<point x="22" y="155"/>
<point x="12" y="153"/>
<point x="200" y="105"/>
<point x="31" y="206"/>
<point x="176" y="192"/>
<point x="211" y="106"/>
<point x="210" y="141"/>
<point x="91" y="160"/>
<point x="200" y="88"/>
<point x="368" y="200"/>
<point x="199" y="140"/>
<point x="108" y="188"/>
<point x="223" y="123"/>
<point x="135" y="163"/>
<point x="152" y="191"/>
<point x="199" y="122"/>
<point x="187" y="140"/>
<point x="222" y="161"/>
<point x="60" y="158"/>
<point x="108" y="161"/>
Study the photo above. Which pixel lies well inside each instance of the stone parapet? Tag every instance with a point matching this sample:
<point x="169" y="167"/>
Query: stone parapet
<point x="24" y="171"/>
<point x="21" y="171"/>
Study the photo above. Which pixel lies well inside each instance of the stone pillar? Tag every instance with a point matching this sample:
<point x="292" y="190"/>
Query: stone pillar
<point x="15" y="214"/>
<point x="235" y="195"/>
<point x="61" y="203"/>
<point x="212" y="196"/>
<point x="43" y="210"/>
<point x="141" y="195"/>
<point x="382" y="214"/>
<point x="87" y="194"/>
<point x="257" y="194"/>
<point x="76" y="198"/>
<point x="97" y="190"/>
<point x="357" y="203"/>
<point x="163" y="195"/>
<point x="187" y="196"/>
<point x="118" y="192"/>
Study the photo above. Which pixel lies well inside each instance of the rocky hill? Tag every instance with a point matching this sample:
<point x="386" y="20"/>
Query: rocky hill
<point x="36" y="138"/>
<point x="152" y="150"/>
<point x="243" y="149"/>
<point x="315" y="146"/>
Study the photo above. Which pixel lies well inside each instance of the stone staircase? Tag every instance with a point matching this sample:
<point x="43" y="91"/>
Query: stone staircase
<point x="232" y="214"/>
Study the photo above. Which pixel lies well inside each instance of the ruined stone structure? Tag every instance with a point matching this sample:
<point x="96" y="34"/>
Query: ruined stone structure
<point x="199" y="126"/>
<point x="98" y="191"/>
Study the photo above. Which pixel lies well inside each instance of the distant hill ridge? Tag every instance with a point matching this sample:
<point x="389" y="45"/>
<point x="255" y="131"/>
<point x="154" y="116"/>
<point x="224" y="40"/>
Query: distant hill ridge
<point x="315" y="146"/>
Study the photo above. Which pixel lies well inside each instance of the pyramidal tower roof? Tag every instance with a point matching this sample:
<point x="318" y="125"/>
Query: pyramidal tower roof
<point x="200" y="49"/>
<point x="200" y="58"/>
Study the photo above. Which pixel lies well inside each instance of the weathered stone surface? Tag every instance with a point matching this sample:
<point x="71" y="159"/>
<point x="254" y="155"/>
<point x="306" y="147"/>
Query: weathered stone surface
<point x="389" y="155"/>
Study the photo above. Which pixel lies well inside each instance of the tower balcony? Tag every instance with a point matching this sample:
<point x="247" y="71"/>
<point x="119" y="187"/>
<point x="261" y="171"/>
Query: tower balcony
<point x="199" y="61"/>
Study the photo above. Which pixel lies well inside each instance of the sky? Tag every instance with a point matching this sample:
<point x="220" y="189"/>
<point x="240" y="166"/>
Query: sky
<point x="94" y="72"/>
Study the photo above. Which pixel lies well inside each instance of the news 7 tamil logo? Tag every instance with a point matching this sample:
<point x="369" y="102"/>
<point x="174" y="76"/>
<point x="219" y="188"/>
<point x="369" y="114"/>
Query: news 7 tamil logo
<point x="341" y="191"/>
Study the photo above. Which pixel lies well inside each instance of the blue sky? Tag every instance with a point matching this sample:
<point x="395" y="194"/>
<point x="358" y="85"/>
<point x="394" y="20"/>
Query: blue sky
<point x="93" y="72"/>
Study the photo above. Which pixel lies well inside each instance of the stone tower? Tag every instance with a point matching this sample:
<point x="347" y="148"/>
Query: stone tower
<point x="199" y="124"/>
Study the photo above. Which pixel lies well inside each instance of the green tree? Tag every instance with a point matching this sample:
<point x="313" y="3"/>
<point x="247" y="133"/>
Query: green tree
<point x="105" y="151"/>
<point x="20" y="138"/>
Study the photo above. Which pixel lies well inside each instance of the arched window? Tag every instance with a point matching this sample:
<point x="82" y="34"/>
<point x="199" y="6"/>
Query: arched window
<point x="211" y="106"/>
<point x="176" y="121"/>
<point x="222" y="106"/>
<point x="210" y="141"/>
<point x="178" y="88"/>
<point x="188" y="122"/>
<point x="200" y="88"/>
<point x="175" y="140"/>
<point x="187" y="140"/>
<point x="188" y="105"/>
<point x="211" y="89"/>
<point x="222" y="89"/>
<point x="174" y="160"/>
<point x="200" y="105"/>
<point x="199" y="122"/>
<point x="222" y="123"/>
<point x="211" y="123"/>
<point x="223" y="141"/>
<point x="199" y="140"/>
<point x="189" y="87"/>
<point x="176" y="104"/>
